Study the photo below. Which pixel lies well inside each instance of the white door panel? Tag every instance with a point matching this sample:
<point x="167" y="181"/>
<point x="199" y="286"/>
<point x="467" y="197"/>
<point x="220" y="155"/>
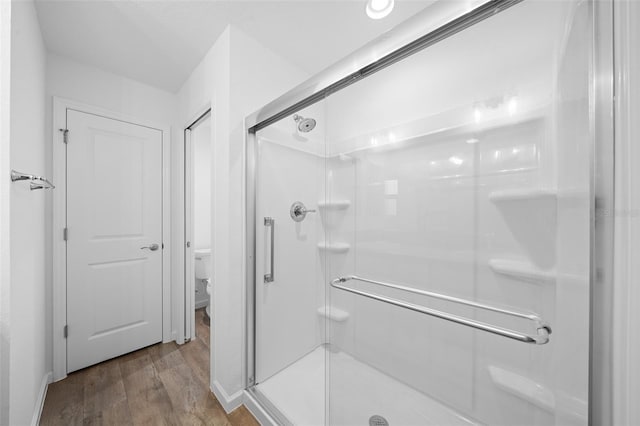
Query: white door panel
<point x="114" y="208"/>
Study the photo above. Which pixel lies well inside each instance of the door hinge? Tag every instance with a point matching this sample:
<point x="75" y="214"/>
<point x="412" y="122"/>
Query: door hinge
<point x="65" y="234"/>
<point x="65" y="135"/>
<point x="66" y="331"/>
<point x="162" y="246"/>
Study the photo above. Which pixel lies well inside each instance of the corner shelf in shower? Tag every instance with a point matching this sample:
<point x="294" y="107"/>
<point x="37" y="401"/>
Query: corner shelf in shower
<point x="334" y="204"/>
<point x="523" y="195"/>
<point x="334" y="247"/>
<point x="333" y="313"/>
<point x="522" y="270"/>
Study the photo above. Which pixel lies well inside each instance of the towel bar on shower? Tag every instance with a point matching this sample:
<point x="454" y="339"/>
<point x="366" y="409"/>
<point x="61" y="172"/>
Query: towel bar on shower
<point x="37" y="182"/>
<point x="543" y="329"/>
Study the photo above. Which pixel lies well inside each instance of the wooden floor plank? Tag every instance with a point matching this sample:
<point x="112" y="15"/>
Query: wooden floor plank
<point x="64" y="404"/>
<point x="148" y="400"/>
<point x="164" y="384"/>
<point x="116" y="414"/>
<point x="166" y="356"/>
<point x="190" y="397"/>
<point x="103" y="387"/>
<point x="202" y="326"/>
<point x="195" y="354"/>
<point x="242" y="417"/>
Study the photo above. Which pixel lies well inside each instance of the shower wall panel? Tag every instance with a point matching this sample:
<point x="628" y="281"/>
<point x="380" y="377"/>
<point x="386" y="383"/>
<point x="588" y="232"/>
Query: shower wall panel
<point x="288" y="325"/>
<point x="470" y="178"/>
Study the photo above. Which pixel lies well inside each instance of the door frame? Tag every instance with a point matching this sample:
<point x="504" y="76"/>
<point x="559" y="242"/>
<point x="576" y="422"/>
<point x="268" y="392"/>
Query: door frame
<point x="59" y="290"/>
<point x="187" y="186"/>
<point x="625" y="305"/>
<point x="5" y="209"/>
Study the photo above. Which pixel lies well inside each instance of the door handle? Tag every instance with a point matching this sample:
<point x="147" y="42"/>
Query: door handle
<point x="152" y="247"/>
<point x="269" y="221"/>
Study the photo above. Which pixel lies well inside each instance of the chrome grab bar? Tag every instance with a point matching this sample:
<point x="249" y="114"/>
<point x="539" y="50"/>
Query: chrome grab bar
<point x="269" y="221"/>
<point x="542" y="328"/>
<point x="36" y="182"/>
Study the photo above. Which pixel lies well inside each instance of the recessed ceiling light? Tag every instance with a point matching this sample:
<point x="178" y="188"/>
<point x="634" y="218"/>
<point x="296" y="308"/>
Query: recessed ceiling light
<point x="378" y="9"/>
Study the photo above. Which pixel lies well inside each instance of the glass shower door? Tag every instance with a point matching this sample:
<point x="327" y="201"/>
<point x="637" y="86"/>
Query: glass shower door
<point x="290" y="175"/>
<point x="464" y="170"/>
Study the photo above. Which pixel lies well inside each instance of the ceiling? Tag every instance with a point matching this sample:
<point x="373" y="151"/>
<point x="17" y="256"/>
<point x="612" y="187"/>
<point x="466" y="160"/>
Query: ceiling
<point x="160" y="42"/>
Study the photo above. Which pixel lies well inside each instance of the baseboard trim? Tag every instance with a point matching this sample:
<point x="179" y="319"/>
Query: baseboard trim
<point x="228" y="402"/>
<point x="37" y="412"/>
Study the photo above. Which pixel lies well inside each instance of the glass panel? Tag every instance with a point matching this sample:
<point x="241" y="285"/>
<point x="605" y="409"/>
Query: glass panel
<point x="289" y="328"/>
<point x="464" y="170"/>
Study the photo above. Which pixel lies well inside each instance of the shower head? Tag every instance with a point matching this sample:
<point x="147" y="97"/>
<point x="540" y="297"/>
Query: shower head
<point x="305" y="125"/>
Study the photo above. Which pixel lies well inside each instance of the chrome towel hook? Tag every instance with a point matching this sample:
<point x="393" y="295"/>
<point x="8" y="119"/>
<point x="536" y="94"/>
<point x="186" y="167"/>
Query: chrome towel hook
<point x="36" y="182"/>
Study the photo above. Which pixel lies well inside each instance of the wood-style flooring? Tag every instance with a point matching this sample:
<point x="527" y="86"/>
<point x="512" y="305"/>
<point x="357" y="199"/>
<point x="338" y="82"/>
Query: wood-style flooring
<point x="164" y="384"/>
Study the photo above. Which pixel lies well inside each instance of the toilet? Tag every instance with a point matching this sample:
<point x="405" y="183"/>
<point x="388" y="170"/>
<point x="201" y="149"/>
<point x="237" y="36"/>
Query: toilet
<point x="203" y="271"/>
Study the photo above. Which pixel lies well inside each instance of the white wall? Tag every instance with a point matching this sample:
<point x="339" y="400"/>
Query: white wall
<point x="28" y="351"/>
<point x="228" y="81"/>
<point x="73" y="80"/>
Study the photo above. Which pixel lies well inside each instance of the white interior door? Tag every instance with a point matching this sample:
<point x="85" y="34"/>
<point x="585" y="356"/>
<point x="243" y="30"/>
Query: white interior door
<point x="114" y="247"/>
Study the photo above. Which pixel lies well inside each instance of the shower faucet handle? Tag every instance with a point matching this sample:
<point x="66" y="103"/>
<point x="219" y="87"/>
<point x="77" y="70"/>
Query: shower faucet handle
<point x="299" y="211"/>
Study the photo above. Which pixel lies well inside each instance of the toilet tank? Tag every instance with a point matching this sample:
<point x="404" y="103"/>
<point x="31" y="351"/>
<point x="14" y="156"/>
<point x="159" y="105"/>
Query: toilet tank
<point x="203" y="263"/>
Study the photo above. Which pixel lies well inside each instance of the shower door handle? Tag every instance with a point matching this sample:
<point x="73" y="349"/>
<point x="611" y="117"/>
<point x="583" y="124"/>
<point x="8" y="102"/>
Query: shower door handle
<point x="270" y="222"/>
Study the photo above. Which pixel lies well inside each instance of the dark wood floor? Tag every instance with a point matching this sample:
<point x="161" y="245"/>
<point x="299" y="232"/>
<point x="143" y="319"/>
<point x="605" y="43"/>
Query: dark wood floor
<point x="164" y="384"/>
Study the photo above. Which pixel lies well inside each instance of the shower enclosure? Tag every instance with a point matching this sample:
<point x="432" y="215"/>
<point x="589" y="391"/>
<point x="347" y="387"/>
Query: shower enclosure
<point x="420" y="230"/>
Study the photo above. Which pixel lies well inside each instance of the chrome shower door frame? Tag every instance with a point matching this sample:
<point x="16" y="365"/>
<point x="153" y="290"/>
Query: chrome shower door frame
<point x="601" y="283"/>
<point x="250" y="254"/>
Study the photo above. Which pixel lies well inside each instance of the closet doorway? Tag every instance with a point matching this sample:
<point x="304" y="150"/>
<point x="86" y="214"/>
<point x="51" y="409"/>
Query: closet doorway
<point x="198" y="258"/>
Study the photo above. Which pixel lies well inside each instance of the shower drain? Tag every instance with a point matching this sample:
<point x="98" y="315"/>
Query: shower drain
<point x="377" y="420"/>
